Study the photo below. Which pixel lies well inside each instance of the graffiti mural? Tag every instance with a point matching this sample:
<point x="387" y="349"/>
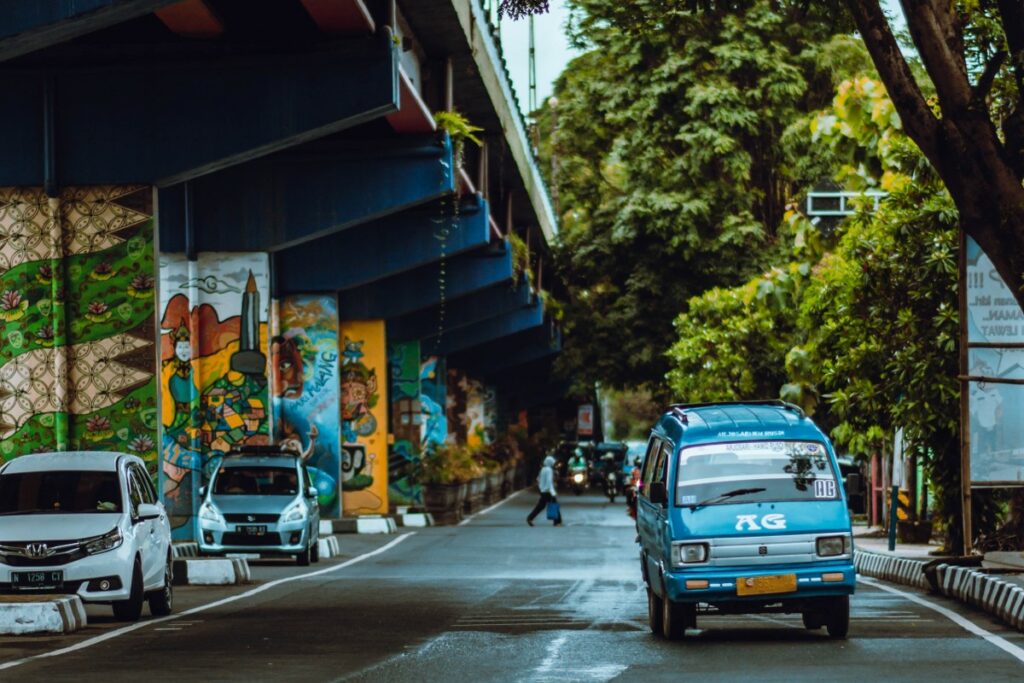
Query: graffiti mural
<point x="364" y="461"/>
<point x="433" y="399"/>
<point x="468" y="409"/>
<point x="213" y="323"/>
<point x="77" y="333"/>
<point x="406" y="419"/>
<point x="304" y="371"/>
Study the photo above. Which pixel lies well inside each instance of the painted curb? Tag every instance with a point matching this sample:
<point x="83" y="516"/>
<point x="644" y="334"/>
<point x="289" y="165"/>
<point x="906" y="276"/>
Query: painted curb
<point x="416" y="519"/>
<point x="329" y="547"/>
<point x="376" y="525"/>
<point x="229" y="571"/>
<point x="41" y="614"/>
<point x="326" y="527"/>
<point x="184" y="549"/>
<point x="891" y="568"/>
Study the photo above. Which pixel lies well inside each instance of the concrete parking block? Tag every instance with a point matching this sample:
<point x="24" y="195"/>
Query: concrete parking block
<point x="212" y="571"/>
<point x="416" y="519"/>
<point x="184" y="549"/>
<point x="329" y="547"/>
<point x="27" y="614"/>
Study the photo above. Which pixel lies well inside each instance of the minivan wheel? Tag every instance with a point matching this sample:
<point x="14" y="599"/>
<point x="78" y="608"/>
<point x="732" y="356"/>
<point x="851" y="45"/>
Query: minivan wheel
<point x="161" y="602"/>
<point x="654" y="612"/>
<point x="676" y="617"/>
<point x="837" y="619"/>
<point x="315" y="550"/>
<point x="303" y="558"/>
<point x="131" y="609"/>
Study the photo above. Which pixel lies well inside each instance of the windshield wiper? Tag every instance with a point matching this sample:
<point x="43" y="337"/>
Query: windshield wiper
<point x="724" y="496"/>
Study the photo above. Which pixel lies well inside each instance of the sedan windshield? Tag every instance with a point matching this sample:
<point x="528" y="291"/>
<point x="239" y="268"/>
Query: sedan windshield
<point x="253" y="481"/>
<point x="713" y="474"/>
<point x="59" y="492"/>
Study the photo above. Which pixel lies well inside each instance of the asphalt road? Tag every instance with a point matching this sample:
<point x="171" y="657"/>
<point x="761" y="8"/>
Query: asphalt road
<point x="495" y="600"/>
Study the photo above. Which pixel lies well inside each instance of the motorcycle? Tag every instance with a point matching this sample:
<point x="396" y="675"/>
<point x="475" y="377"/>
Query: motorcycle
<point x="611" y="485"/>
<point x="578" y="479"/>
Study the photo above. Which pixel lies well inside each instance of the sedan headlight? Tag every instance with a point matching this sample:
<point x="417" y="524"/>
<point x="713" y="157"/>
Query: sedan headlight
<point x="689" y="553"/>
<point x="210" y="513"/>
<point x="102" y="544"/>
<point x="295" y="512"/>
<point x="830" y="546"/>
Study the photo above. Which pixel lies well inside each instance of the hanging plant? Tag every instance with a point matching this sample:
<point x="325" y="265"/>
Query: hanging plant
<point x="459" y="129"/>
<point x="520" y="259"/>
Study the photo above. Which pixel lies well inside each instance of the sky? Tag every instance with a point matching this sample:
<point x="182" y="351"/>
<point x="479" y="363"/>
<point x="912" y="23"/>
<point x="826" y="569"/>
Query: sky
<point x="554" y="52"/>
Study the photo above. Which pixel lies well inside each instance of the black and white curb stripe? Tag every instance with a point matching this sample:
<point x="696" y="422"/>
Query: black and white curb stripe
<point x="42" y="614"/>
<point x="416" y="519"/>
<point x="186" y="549"/>
<point x="329" y="547"/>
<point x="212" y="571"/>
<point x="890" y="568"/>
<point x="989" y="592"/>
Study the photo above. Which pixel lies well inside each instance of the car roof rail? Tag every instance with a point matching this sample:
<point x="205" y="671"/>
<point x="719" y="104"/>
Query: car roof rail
<point x="261" y="449"/>
<point x="679" y="409"/>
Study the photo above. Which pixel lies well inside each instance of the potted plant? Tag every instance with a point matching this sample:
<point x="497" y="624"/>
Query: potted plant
<point x="443" y="478"/>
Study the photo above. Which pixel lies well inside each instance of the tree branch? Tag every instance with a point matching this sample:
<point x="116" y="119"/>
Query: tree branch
<point x="935" y="33"/>
<point x="988" y="77"/>
<point x="916" y="115"/>
<point x="1011" y="13"/>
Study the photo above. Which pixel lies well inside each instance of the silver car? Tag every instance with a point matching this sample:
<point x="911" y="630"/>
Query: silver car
<point x="260" y="501"/>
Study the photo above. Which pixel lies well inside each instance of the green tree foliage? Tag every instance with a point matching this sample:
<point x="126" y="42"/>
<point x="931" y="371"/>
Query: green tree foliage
<point x="668" y="151"/>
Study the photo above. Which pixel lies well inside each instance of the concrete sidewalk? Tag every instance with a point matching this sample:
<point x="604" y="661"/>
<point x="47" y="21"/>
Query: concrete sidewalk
<point x="869" y="539"/>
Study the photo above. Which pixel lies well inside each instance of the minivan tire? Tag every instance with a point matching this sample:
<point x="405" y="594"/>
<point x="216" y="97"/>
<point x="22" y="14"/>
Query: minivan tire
<point x="674" y="619"/>
<point x="654" y="612"/>
<point x="837" y="619"/>
<point x="315" y="557"/>
<point x="131" y="609"/>
<point x="302" y="559"/>
<point x="161" y="602"/>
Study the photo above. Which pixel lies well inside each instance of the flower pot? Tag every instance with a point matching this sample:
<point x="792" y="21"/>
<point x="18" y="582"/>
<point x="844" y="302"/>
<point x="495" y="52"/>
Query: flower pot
<point x="494" y="482"/>
<point x="475" y="495"/>
<point x="443" y="502"/>
<point x="509" y="485"/>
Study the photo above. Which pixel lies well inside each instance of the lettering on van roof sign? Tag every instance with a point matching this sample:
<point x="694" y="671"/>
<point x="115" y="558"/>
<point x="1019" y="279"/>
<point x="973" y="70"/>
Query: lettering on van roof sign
<point x="773" y="521"/>
<point x="750" y="433"/>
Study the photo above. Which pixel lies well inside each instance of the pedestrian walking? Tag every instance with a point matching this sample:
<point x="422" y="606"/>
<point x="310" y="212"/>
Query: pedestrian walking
<point x="546" y="484"/>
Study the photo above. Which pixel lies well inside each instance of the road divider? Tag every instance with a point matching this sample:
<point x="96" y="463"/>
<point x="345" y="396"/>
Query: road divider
<point x="184" y="549"/>
<point x="328" y="546"/>
<point x="212" y="571"/>
<point x="31" y="614"/>
<point x="416" y="519"/>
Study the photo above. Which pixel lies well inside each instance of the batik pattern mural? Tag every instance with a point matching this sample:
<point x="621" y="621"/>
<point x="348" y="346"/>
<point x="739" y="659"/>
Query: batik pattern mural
<point x="433" y="401"/>
<point x="77" y="330"/>
<point x="364" y="458"/>
<point x="304" y="374"/>
<point x="467" y="410"/>
<point x="214" y="371"/>
<point x="406" y="417"/>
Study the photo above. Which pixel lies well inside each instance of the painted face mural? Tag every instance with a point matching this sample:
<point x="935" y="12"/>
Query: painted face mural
<point x="358" y="395"/>
<point x="288" y="367"/>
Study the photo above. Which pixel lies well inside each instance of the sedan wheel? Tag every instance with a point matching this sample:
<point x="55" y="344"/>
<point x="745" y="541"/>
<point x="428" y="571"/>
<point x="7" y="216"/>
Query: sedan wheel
<point x="131" y="609"/>
<point x="161" y="603"/>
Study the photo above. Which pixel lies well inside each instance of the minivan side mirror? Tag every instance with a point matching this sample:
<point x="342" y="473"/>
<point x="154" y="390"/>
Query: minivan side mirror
<point x="148" y="511"/>
<point x="656" y="493"/>
<point x="854" y="483"/>
<point x="202" y="491"/>
<point x="311" y="492"/>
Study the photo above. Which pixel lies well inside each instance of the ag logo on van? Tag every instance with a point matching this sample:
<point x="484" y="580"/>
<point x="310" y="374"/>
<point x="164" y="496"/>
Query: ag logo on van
<point x="773" y="521"/>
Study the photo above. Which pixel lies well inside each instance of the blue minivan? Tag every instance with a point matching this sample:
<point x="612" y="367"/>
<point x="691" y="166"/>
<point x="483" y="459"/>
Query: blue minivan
<point x="742" y="511"/>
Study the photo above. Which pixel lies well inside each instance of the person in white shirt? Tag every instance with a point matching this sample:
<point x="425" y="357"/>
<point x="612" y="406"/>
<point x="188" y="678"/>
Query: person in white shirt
<point x="546" y="484"/>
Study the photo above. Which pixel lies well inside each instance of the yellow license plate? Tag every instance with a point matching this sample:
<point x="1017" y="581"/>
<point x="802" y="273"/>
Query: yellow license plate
<point x="766" y="585"/>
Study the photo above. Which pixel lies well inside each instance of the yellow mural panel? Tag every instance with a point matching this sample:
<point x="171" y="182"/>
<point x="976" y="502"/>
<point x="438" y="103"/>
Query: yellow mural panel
<point x="364" y="417"/>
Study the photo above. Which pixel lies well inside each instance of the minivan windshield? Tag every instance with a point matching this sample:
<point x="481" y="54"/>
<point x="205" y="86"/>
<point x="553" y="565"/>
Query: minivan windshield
<point x="764" y="470"/>
<point x="73" y="491"/>
<point x="246" y="480"/>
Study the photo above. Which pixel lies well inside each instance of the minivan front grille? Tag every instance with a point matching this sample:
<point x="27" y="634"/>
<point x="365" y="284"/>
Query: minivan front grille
<point x="230" y="538"/>
<point x="251" y="517"/>
<point x="767" y="550"/>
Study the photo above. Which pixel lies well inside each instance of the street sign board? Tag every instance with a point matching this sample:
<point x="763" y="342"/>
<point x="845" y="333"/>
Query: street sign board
<point x="585" y="420"/>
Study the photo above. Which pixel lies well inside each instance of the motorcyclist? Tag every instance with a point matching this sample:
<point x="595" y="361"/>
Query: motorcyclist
<point x="634" y="488"/>
<point x="577" y="461"/>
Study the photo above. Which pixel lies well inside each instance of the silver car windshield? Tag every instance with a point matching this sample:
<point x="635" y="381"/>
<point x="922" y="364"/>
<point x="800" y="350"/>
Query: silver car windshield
<point x="248" y="480"/>
<point x="765" y="470"/>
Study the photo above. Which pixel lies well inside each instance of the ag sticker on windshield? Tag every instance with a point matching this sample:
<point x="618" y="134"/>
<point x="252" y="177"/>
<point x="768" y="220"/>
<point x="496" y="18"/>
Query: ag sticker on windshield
<point x="824" y="488"/>
<point x="689" y="500"/>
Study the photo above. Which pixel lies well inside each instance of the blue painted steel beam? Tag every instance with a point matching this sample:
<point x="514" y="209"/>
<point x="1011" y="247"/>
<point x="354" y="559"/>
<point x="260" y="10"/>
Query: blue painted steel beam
<point x="163" y="123"/>
<point x="458" y="313"/>
<point x="294" y="197"/>
<point x="421" y="288"/>
<point x="29" y="25"/>
<point x="486" y="331"/>
<point x="385" y="248"/>
<point x="502" y="358"/>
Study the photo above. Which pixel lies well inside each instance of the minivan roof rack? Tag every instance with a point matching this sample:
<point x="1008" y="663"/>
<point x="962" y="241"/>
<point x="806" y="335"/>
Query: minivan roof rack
<point x="680" y="408"/>
<point x="262" y="449"/>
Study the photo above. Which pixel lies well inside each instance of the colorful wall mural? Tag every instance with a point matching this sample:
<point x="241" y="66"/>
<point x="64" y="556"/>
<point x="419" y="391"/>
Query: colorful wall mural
<point x="77" y="333"/>
<point x="433" y="401"/>
<point x="304" y="376"/>
<point x="213" y="351"/>
<point x="364" y="401"/>
<point x="406" y="420"/>
<point x="471" y="409"/>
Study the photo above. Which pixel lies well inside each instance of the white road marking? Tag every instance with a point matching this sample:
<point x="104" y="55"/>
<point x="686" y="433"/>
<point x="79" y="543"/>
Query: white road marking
<point x="467" y="520"/>
<point x="202" y="608"/>
<point x="554" y="648"/>
<point x="966" y="624"/>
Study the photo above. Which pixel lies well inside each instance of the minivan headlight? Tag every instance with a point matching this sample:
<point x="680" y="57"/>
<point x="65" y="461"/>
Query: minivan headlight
<point x="830" y="546"/>
<point x="102" y="544"/>
<point x="689" y="553"/>
<point x="210" y="513"/>
<point x="295" y="512"/>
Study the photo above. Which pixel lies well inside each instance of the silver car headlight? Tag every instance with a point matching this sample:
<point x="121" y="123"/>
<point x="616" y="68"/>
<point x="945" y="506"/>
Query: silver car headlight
<point x="210" y="513"/>
<point x="830" y="546"/>
<point x="102" y="544"/>
<point x="689" y="553"/>
<point x="295" y="512"/>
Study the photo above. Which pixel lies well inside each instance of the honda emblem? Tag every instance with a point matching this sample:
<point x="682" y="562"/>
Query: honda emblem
<point x="37" y="550"/>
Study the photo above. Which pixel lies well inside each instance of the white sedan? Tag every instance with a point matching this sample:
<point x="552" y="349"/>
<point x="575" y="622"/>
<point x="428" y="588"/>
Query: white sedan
<point x="87" y="523"/>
